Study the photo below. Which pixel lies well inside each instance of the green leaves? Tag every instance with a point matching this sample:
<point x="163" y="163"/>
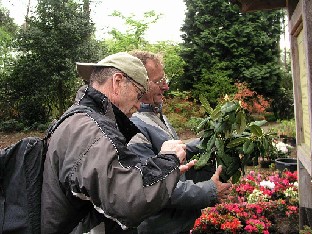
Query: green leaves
<point x="248" y="147"/>
<point x="205" y="104"/>
<point x="256" y="130"/>
<point x="202" y="124"/>
<point x="228" y="107"/>
<point x="59" y="34"/>
<point x="202" y="160"/>
<point x="240" y="122"/>
<point x="235" y="47"/>
<point x="211" y="141"/>
<point x="236" y="142"/>
<point x="259" y="123"/>
<point x="133" y="37"/>
<point x="216" y="113"/>
<point x="207" y="145"/>
<point x="230" y="139"/>
<point x="231" y="165"/>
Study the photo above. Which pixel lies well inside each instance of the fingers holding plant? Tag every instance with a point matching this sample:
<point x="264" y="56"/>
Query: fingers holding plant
<point x="223" y="189"/>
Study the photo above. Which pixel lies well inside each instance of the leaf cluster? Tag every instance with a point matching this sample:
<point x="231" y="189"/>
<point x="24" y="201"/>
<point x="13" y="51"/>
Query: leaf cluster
<point x="228" y="137"/>
<point x="133" y="37"/>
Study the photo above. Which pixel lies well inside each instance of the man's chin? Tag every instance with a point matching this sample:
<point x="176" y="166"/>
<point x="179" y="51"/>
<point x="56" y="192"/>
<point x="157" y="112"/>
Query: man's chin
<point x="131" y="112"/>
<point x="159" y="100"/>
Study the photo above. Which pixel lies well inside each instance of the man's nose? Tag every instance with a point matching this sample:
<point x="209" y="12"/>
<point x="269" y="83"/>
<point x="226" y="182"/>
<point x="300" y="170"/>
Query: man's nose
<point x="165" y="86"/>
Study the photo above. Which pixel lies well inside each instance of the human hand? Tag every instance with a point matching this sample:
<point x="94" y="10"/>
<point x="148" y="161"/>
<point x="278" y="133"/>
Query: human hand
<point x="187" y="166"/>
<point x="223" y="189"/>
<point x="175" y="146"/>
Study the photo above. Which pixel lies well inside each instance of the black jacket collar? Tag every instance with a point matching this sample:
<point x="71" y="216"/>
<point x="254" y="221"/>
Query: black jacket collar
<point x="100" y="103"/>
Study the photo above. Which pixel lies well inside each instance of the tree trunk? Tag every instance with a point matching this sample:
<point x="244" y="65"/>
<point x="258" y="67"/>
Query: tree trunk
<point x="60" y="97"/>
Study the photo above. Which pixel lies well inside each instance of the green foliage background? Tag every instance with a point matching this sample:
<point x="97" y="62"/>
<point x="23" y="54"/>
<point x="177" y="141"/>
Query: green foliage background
<point x="41" y="82"/>
<point x="223" y="46"/>
<point x="38" y="79"/>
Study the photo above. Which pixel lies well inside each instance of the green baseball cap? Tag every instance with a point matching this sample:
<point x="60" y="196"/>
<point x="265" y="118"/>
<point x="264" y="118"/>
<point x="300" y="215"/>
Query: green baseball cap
<point x="123" y="61"/>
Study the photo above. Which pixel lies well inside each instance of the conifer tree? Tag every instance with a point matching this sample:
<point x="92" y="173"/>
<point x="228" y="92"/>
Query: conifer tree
<point x="223" y="46"/>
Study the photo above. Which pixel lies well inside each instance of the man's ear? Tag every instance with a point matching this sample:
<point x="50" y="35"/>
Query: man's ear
<point x="117" y="81"/>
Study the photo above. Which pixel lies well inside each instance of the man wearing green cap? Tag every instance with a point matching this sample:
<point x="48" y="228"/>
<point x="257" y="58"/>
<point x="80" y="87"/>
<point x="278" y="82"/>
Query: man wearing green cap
<point x="89" y="174"/>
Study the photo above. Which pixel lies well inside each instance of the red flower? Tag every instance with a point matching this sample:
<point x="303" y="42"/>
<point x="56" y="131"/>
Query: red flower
<point x="242" y="217"/>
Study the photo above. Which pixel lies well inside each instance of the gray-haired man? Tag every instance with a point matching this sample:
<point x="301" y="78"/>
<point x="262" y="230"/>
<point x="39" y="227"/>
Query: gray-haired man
<point x="89" y="174"/>
<point x="189" y="197"/>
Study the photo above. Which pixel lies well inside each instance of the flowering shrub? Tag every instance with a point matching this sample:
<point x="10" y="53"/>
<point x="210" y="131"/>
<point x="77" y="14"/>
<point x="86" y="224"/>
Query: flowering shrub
<point x="182" y="111"/>
<point x="279" y="149"/>
<point x="282" y="147"/>
<point x="256" y="205"/>
<point x="282" y="150"/>
<point x="250" y="100"/>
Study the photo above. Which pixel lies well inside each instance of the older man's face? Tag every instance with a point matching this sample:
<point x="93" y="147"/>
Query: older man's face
<point x="131" y="93"/>
<point x="157" y="83"/>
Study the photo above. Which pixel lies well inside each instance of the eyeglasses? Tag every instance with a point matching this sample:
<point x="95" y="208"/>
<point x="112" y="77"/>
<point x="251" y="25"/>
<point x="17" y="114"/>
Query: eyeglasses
<point x="162" y="81"/>
<point x="139" y="90"/>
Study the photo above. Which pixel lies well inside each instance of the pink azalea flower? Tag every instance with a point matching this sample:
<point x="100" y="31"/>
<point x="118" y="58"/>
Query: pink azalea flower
<point x="238" y="216"/>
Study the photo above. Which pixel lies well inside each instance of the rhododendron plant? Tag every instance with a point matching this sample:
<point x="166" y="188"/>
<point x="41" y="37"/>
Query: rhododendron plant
<point x="231" y="139"/>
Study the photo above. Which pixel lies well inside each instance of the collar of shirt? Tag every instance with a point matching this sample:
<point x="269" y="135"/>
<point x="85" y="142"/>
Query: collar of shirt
<point x="150" y="108"/>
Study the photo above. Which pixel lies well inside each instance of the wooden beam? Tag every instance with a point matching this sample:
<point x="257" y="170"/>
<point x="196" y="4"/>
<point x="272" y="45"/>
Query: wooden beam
<point x="255" y="5"/>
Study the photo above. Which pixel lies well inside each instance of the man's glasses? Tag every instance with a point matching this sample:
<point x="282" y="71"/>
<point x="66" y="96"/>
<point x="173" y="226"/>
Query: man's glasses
<point x="139" y="90"/>
<point x="162" y="81"/>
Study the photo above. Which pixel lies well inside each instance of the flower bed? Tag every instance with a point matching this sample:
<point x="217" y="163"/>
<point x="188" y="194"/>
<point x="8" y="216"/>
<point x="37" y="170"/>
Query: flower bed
<point x="258" y="204"/>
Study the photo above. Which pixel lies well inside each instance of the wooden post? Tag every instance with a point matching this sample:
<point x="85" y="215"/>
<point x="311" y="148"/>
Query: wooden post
<point x="300" y="27"/>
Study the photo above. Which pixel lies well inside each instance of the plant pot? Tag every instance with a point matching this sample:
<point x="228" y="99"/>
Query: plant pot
<point x="286" y="163"/>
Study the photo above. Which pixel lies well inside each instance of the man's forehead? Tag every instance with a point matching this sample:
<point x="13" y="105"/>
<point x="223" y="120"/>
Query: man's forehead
<point x="154" y="72"/>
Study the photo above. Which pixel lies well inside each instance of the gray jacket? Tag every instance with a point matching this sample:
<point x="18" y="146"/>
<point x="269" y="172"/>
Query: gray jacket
<point x="89" y="172"/>
<point x="188" y="198"/>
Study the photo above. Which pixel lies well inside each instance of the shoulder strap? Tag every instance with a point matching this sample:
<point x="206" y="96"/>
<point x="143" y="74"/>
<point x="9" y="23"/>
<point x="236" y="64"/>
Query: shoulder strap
<point x="71" y="111"/>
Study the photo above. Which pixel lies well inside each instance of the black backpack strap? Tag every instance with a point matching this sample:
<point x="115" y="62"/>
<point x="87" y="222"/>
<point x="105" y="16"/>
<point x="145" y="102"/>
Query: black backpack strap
<point x="71" y="111"/>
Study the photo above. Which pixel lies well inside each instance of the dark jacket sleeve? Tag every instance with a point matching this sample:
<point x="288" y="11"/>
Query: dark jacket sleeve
<point x="187" y="194"/>
<point x="94" y="170"/>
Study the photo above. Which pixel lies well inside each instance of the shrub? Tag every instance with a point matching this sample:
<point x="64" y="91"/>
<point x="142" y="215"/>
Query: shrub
<point x="182" y="110"/>
<point x="270" y="117"/>
<point x="283" y="104"/>
<point x="177" y="121"/>
<point x="306" y="230"/>
<point x="41" y="127"/>
<point x="250" y="100"/>
<point x="11" y="126"/>
<point x="193" y="123"/>
<point x="287" y="128"/>
<point x="32" y="111"/>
